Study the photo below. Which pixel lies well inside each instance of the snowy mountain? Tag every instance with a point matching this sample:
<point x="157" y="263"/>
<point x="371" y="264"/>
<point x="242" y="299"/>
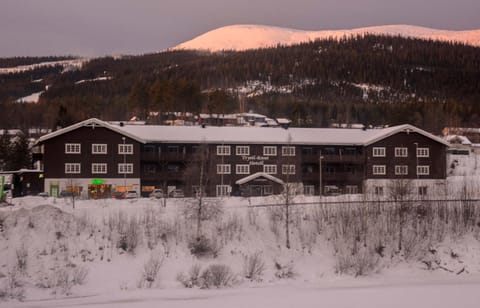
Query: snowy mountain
<point x="244" y="37"/>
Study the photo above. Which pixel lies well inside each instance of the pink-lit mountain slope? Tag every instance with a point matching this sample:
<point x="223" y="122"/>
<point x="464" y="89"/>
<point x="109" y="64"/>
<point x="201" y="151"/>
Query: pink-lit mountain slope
<point x="244" y="37"/>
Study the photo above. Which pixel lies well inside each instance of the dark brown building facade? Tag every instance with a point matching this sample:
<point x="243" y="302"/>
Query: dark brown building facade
<point x="96" y="158"/>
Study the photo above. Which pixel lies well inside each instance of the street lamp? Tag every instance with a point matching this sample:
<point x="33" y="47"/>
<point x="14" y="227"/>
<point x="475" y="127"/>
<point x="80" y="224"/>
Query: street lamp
<point x="124" y="167"/>
<point x="416" y="156"/>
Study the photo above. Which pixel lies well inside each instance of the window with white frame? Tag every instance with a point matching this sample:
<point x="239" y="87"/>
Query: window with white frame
<point x="223" y="150"/>
<point x="378" y="152"/>
<point x="223" y="190"/>
<point x="72" y="148"/>
<point x="379" y="170"/>
<point x="99" y="148"/>
<point x="288" y="169"/>
<point x="242" y="169"/>
<point x="423" y="152"/>
<point x="422" y="190"/>
<point x="267" y="190"/>
<point x="242" y="150"/>
<point x="223" y="169"/>
<point x="270" y="151"/>
<point x="99" y="168"/>
<point x="351" y="189"/>
<point x="401" y="170"/>
<point x="288" y="151"/>
<point x="309" y="190"/>
<point x="125" y="149"/>
<point x="72" y="168"/>
<point x="270" y="169"/>
<point x="401" y="152"/>
<point x="125" y="168"/>
<point x="378" y="190"/>
<point x="423" y="170"/>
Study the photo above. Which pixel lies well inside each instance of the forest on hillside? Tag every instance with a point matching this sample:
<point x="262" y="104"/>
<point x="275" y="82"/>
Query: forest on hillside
<point x="374" y="80"/>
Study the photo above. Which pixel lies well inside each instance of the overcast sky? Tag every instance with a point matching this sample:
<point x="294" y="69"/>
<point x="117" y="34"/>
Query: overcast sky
<point x="100" y="27"/>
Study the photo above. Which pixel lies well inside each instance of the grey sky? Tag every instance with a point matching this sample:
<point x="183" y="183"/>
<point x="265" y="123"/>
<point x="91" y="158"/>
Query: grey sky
<point x="99" y="27"/>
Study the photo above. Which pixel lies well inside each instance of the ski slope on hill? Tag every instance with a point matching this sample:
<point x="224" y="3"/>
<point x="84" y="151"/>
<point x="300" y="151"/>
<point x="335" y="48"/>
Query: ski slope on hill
<point x="244" y="37"/>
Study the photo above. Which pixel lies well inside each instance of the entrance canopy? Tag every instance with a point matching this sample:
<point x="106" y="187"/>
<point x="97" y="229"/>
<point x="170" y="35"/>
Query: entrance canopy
<point x="259" y="175"/>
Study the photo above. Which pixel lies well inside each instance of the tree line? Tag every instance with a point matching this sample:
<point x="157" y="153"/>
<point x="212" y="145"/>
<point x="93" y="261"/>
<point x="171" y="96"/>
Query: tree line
<point x="361" y="79"/>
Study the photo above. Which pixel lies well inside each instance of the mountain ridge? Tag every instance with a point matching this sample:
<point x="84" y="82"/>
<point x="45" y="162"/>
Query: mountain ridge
<point x="246" y="37"/>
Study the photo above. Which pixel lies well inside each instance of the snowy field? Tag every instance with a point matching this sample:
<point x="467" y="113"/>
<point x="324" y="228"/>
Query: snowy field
<point x="100" y="253"/>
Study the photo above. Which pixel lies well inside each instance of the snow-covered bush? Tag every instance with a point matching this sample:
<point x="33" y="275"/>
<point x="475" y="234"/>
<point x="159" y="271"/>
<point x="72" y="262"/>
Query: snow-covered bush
<point x="203" y="247"/>
<point x="192" y="278"/>
<point x="218" y="276"/>
<point x="150" y="271"/>
<point x="361" y="263"/>
<point x="254" y="267"/>
<point x="284" y="271"/>
<point x="12" y="287"/>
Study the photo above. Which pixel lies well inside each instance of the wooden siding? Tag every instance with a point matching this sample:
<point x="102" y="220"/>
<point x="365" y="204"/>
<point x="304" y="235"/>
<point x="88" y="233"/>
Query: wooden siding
<point x="55" y="157"/>
<point x="436" y="160"/>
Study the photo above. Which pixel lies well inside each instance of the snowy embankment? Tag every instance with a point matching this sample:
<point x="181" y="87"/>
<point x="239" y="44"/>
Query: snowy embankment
<point x="105" y="252"/>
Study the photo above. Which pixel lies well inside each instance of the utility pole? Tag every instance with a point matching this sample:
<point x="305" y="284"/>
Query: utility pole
<point x="320" y="184"/>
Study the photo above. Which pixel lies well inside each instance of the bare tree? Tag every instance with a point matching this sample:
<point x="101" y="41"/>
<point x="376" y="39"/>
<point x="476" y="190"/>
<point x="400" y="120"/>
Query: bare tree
<point x="400" y="191"/>
<point x="197" y="174"/>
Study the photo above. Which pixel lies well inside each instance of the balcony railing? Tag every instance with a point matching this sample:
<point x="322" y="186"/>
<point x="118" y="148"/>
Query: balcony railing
<point x="333" y="158"/>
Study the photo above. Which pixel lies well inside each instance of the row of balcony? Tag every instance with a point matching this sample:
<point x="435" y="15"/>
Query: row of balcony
<point x="307" y="158"/>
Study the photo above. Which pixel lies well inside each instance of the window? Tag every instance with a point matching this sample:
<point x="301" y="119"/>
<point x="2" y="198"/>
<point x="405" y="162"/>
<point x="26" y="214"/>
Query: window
<point x="99" y="148"/>
<point x="150" y="169"/>
<point x="422" y="190"/>
<point x="401" y="152"/>
<point x="288" y="151"/>
<point x="125" y="149"/>
<point x="267" y="190"/>
<point x="423" y="170"/>
<point x="269" y="151"/>
<point x="223" y="169"/>
<point x="223" y="150"/>
<point x="309" y="190"/>
<point x="72" y="168"/>
<point x="172" y="149"/>
<point x="72" y="148"/>
<point x="378" y="152"/>
<point x="423" y="152"/>
<point x="242" y="169"/>
<point x="378" y="190"/>
<point x="270" y="169"/>
<point x="351" y="189"/>
<point x="401" y="170"/>
<point x="223" y="190"/>
<point x="242" y="150"/>
<point x="125" y="168"/>
<point x="99" y="168"/>
<point x="379" y="170"/>
<point x="288" y="169"/>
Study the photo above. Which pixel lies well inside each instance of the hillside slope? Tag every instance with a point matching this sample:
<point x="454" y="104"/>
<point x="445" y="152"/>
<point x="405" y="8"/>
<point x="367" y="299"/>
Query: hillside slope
<point x="244" y="37"/>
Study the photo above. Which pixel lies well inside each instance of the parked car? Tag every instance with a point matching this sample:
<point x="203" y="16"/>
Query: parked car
<point x="177" y="193"/>
<point x="131" y="194"/>
<point x="156" y="193"/>
<point x="65" y="194"/>
<point x="43" y="194"/>
<point x="118" y="195"/>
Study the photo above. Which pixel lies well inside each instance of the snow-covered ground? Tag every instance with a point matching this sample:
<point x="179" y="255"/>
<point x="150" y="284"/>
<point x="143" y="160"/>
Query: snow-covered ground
<point x="341" y="255"/>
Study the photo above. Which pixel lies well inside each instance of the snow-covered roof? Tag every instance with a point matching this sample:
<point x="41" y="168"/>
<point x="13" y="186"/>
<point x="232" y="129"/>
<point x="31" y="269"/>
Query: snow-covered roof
<point x="248" y="135"/>
<point x="458" y="139"/>
<point x="268" y="135"/>
<point x="257" y="175"/>
<point x="90" y="122"/>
